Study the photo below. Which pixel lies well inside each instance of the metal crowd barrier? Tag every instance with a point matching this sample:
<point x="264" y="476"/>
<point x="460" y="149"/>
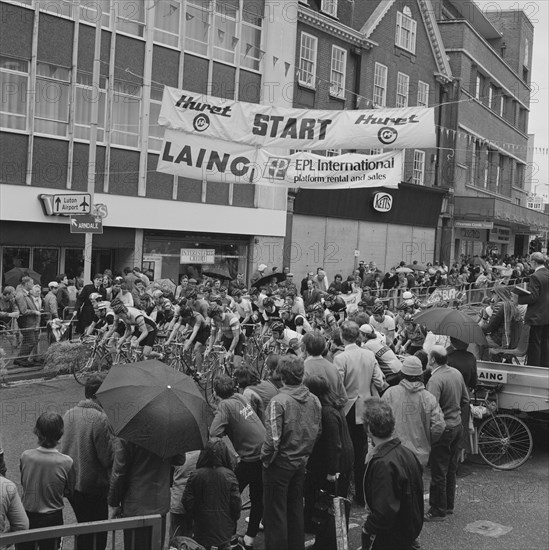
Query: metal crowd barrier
<point x="152" y="523"/>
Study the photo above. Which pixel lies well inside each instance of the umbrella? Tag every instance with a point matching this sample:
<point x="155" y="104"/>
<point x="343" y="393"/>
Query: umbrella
<point x="417" y="267"/>
<point x="13" y="276"/>
<point x="221" y="275"/>
<point x="404" y="270"/>
<point x="165" y="284"/>
<point x="266" y="279"/>
<point x="155" y="407"/>
<point x="451" y="322"/>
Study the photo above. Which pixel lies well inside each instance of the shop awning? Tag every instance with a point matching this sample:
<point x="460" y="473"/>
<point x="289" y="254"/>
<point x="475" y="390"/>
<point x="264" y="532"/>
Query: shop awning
<point x="488" y="209"/>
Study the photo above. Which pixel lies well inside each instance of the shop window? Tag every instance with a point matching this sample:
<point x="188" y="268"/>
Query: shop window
<point x="167" y="16"/>
<point x="197" y="27"/>
<point x="45" y="261"/>
<point x="307" y="60"/>
<point x="52" y="99"/>
<point x="14" y="82"/>
<point x="156" y="132"/>
<point x="86" y="94"/>
<point x="126" y="114"/>
<point x="12" y="258"/>
<point x="380" y="85"/>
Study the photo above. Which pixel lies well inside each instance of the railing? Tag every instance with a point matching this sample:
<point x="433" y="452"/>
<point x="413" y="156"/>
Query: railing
<point x="152" y="523"/>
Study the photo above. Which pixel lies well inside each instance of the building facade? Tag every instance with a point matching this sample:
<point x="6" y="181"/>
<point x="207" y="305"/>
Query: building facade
<point x="223" y="48"/>
<point x="490" y="55"/>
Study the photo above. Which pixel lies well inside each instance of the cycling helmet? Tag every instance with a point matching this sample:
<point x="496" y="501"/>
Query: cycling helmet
<point x="316" y="308"/>
<point x="215" y="310"/>
<point x="407" y="295"/>
<point x="367" y="329"/>
<point x="118" y="307"/>
<point x="378" y="308"/>
<point x="95" y="296"/>
<point x="103" y="305"/>
<point x="186" y="312"/>
<point x="277" y="326"/>
<point x="408" y="318"/>
<point x="268" y="302"/>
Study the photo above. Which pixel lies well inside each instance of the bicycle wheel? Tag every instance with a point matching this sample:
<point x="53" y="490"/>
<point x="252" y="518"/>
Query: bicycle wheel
<point x="83" y="368"/>
<point x="504" y="441"/>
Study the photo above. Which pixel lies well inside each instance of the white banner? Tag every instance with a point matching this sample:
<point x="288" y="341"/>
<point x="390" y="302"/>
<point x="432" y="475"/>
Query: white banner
<point x="195" y="157"/>
<point x="263" y="125"/>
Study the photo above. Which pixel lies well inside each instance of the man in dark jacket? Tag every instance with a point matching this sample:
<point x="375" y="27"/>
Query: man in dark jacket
<point x="236" y="419"/>
<point x="293" y="425"/>
<point x="84" y="307"/>
<point x="393" y="484"/>
<point x="537" y="314"/>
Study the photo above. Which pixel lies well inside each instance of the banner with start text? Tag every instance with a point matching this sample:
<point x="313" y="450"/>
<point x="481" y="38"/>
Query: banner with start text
<point x="267" y="126"/>
<point x="199" y="158"/>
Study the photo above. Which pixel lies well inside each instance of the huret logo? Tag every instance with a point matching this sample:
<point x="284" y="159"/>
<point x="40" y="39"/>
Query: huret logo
<point x="383" y="202"/>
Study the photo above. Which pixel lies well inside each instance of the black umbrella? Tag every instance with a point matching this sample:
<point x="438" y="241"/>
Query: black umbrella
<point x="221" y="275"/>
<point x="266" y="279"/>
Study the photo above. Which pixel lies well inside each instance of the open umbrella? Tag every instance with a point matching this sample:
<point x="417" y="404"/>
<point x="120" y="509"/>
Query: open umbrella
<point x="220" y="274"/>
<point x="451" y="322"/>
<point x="417" y="267"/>
<point x="266" y="279"/>
<point x="155" y="407"/>
<point x="13" y="276"/>
<point x="404" y="270"/>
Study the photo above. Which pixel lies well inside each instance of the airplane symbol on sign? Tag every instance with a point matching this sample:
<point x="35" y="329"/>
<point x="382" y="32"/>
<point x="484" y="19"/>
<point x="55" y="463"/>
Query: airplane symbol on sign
<point x="84" y="205"/>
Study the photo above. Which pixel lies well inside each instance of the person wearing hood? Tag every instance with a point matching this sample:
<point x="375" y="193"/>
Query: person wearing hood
<point x="293" y="426"/>
<point x="236" y="419"/>
<point x="212" y="497"/>
<point x="419" y="418"/>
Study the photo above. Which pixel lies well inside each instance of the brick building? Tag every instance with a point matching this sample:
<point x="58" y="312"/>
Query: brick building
<point x="46" y="63"/>
<point x="490" y="56"/>
<point x="366" y="55"/>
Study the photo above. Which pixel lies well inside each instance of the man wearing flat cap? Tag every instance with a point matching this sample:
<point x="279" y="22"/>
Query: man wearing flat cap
<point x="537" y="314"/>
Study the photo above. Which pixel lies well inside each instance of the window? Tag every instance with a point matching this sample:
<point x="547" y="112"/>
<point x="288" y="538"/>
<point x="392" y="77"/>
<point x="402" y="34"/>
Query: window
<point x="126" y="114"/>
<point x="498" y="169"/>
<point x="380" y="85"/>
<point x="333" y="152"/>
<point x="501" y="105"/>
<point x="475" y="162"/>
<point x="377" y="151"/>
<point x="403" y="82"/>
<point x="85" y="96"/>
<point x="156" y="132"/>
<point x="520" y="176"/>
<point x="51" y="115"/>
<point x="130" y="16"/>
<point x="167" y="16"/>
<point x="88" y="11"/>
<point x="197" y="27"/>
<point x="406" y="31"/>
<point x="307" y="60"/>
<point x="14" y="82"/>
<point x="419" y="167"/>
<point x="337" y="73"/>
<point x="526" y="52"/>
<point x="329" y="7"/>
<point x="250" y="40"/>
<point x="422" y="94"/>
<point x="59" y="7"/>
<point x="490" y="97"/>
<point x="517" y="201"/>
<point x="478" y="87"/>
<point x="225" y="39"/>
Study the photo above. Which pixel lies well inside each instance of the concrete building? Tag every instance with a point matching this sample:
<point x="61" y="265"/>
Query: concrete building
<point x="223" y="48"/>
<point x="490" y="55"/>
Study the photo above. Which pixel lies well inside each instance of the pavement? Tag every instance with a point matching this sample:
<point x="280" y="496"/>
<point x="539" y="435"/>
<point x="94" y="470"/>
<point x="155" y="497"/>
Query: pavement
<point x="495" y="510"/>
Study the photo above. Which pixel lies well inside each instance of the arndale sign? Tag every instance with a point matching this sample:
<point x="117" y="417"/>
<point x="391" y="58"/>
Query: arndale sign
<point x="383" y="202"/>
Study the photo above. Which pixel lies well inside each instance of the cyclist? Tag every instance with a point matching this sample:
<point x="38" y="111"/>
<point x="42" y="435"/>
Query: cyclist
<point x="337" y="305"/>
<point x="383" y="322"/>
<point x="323" y="320"/>
<point x="144" y="327"/>
<point x="388" y="361"/>
<point x="226" y="329"/>
<point x="102" y="320"/>
<point x="282" y="337"/>
<point x="243" y="308"/>
<point x="199" y="335"/>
